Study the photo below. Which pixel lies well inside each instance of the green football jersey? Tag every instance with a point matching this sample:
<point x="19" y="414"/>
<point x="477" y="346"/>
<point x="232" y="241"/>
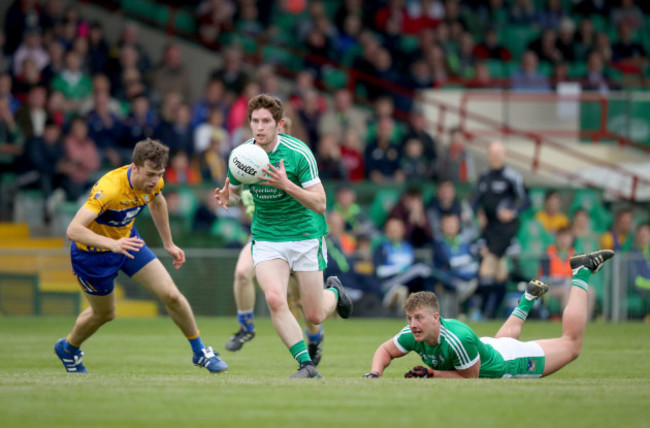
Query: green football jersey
<point x="278" y="216"/>
<point x="458" y="348"/>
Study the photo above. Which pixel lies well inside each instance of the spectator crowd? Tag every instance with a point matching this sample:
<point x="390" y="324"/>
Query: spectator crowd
<point x="74" y="103"/>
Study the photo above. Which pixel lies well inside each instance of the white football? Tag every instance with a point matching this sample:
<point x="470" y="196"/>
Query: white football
<point x="246" y="163"/>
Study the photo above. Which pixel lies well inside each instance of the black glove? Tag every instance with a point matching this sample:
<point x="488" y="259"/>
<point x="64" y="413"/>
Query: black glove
<point x="419" y="371"/>
<point x="371" y="375"/>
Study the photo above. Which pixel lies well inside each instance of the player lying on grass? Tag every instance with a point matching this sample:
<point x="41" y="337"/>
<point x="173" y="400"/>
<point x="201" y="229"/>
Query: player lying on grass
<point x="451" y="349"/>
<point x="106" y="242"/>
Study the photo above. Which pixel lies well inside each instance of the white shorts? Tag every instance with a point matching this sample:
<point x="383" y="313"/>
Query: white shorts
<point x="522" y="359"/>
<point x="303" y="256"/>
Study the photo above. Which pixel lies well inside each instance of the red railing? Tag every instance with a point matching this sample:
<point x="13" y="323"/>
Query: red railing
<point x="501" y="129"/>
<point x="596" y="135"/>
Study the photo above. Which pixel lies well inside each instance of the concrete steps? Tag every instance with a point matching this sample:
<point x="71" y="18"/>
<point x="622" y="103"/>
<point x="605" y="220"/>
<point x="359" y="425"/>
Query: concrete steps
<point x="57" y="291"/>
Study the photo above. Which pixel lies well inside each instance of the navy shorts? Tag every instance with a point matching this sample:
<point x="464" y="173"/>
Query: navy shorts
<point x="96" y="270"/>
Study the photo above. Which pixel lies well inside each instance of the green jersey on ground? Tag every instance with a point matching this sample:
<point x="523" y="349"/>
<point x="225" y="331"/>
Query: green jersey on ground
<point x="458" y="348"/>
<point x="278" y="216"/>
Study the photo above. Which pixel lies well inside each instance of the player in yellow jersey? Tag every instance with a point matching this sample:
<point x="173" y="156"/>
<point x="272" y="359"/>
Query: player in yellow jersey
<point x="105" y="242"/>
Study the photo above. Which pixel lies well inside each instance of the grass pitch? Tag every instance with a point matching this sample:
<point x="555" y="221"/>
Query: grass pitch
<point x="141" y="375"/>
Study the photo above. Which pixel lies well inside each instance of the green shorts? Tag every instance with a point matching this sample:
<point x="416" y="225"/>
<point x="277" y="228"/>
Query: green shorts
<point x="522" y="359"/>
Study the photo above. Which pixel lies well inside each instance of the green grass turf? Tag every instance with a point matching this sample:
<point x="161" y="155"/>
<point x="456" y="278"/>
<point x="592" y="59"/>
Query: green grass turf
<point x="141" y="375"/>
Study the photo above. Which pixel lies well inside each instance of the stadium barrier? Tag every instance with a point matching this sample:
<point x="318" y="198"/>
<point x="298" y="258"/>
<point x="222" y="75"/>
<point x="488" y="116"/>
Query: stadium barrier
<point x="206" y="280"/>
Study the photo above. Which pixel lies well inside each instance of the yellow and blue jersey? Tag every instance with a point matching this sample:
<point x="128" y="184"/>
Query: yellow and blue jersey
<point x="116" y="204"/>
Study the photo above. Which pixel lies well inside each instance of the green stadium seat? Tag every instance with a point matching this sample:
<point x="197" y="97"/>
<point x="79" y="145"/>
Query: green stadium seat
<point x="517" y="37"/>
<point x="281" y="57"/>
<point x="536" y="196"/>
<point x="589" y="200"/>
<point x="160" y="15"/>
<point x="349" y="55"/>
<point x="409" y="43"/>
<point x="248" y="44"/>
<point x="384" y="201"/>
<point x="545" y="68"/>
<point x="184" y="22"/>
<point x="498" y="69"/>
<point x="534" y="240"/>
<point x="144" y="9"/>
<point x="335" y="78"/>
<point x="577" y="70"/>
<point x="229" y="230"/>
<point x="287" y="21"/>
<point x="601" y="23"/>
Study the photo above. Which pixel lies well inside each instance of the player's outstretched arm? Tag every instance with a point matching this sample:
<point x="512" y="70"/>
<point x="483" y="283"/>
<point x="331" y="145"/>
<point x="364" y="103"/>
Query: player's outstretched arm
<point x="383" y="356"/>
<point x="470" y="372"/>
<point x="160" y="216"/>
<point x="227" y="196"/>
<point x="78" y="231"/>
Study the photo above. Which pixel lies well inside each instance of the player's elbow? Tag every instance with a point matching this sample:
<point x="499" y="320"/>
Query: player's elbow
<point x="320" y="205"/>
<point x="320" y="209"/>
<point x="71" y="232"/>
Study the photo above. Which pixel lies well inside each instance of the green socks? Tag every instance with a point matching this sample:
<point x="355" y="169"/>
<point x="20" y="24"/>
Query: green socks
<point x="523" y="307"/>
<point x="299" y="352"/>
<point x="335" y="291"/>
<point x="581" y="278"/>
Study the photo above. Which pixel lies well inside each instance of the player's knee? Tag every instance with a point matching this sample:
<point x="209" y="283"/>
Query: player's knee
<point x="243" y="276"/>
<point x="172" y="297"/>
<point x="575" y="350"/>
<point x="276" y="300"/>
<point x="105" y="316"/>
<point x="315" y="317"/>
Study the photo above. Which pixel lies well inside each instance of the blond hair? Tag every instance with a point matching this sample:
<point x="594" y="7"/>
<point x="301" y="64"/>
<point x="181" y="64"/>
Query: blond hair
<point x="422" y="299"/>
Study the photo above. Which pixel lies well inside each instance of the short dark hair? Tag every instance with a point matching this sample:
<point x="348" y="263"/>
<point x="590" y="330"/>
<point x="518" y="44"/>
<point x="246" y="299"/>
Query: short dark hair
<point x="550" y="193"/>
<point x="422" y="299"/>
<point x="269" y="102"/>
<point x="150" y="150"/>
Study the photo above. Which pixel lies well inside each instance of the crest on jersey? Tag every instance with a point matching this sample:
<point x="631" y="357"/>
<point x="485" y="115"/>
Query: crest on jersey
<point x="531" y="366"/>
<point x="99" y="195"/>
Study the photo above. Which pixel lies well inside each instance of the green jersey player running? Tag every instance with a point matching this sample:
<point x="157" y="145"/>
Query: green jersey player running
<point x="451" y="349"/>
<point x="288" y="230"/>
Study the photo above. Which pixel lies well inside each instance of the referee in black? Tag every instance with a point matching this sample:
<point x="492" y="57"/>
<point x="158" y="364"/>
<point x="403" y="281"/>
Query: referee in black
<point x="501" y="195"/>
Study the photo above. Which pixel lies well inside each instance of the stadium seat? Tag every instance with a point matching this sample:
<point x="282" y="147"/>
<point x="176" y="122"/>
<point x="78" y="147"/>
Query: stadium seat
<point x="229" y="230"/>
<point x="498" y="69"/>
<point x="409" y="44"/>
<point x="536" y="196"/>
<point x="601" y="23"/>
<point x="281" y="57"/>
<point x="143" y="9"/>
<point x="517" y="37"/>
<point x="248" y="44"/>
<point x="335" y="78"/>
<point x="533" y="240"/>
<point x="161" y="15"/>
<point x="184" y="22"/>
<point x="577" y="70"/>
<point x="384" y="201"/>
<point x="589" y="200"/>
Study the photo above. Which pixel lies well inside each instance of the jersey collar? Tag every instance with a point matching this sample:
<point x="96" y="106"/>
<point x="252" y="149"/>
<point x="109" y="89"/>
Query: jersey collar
<point x="277" y="144"/>
<point x="128" y="176"/>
